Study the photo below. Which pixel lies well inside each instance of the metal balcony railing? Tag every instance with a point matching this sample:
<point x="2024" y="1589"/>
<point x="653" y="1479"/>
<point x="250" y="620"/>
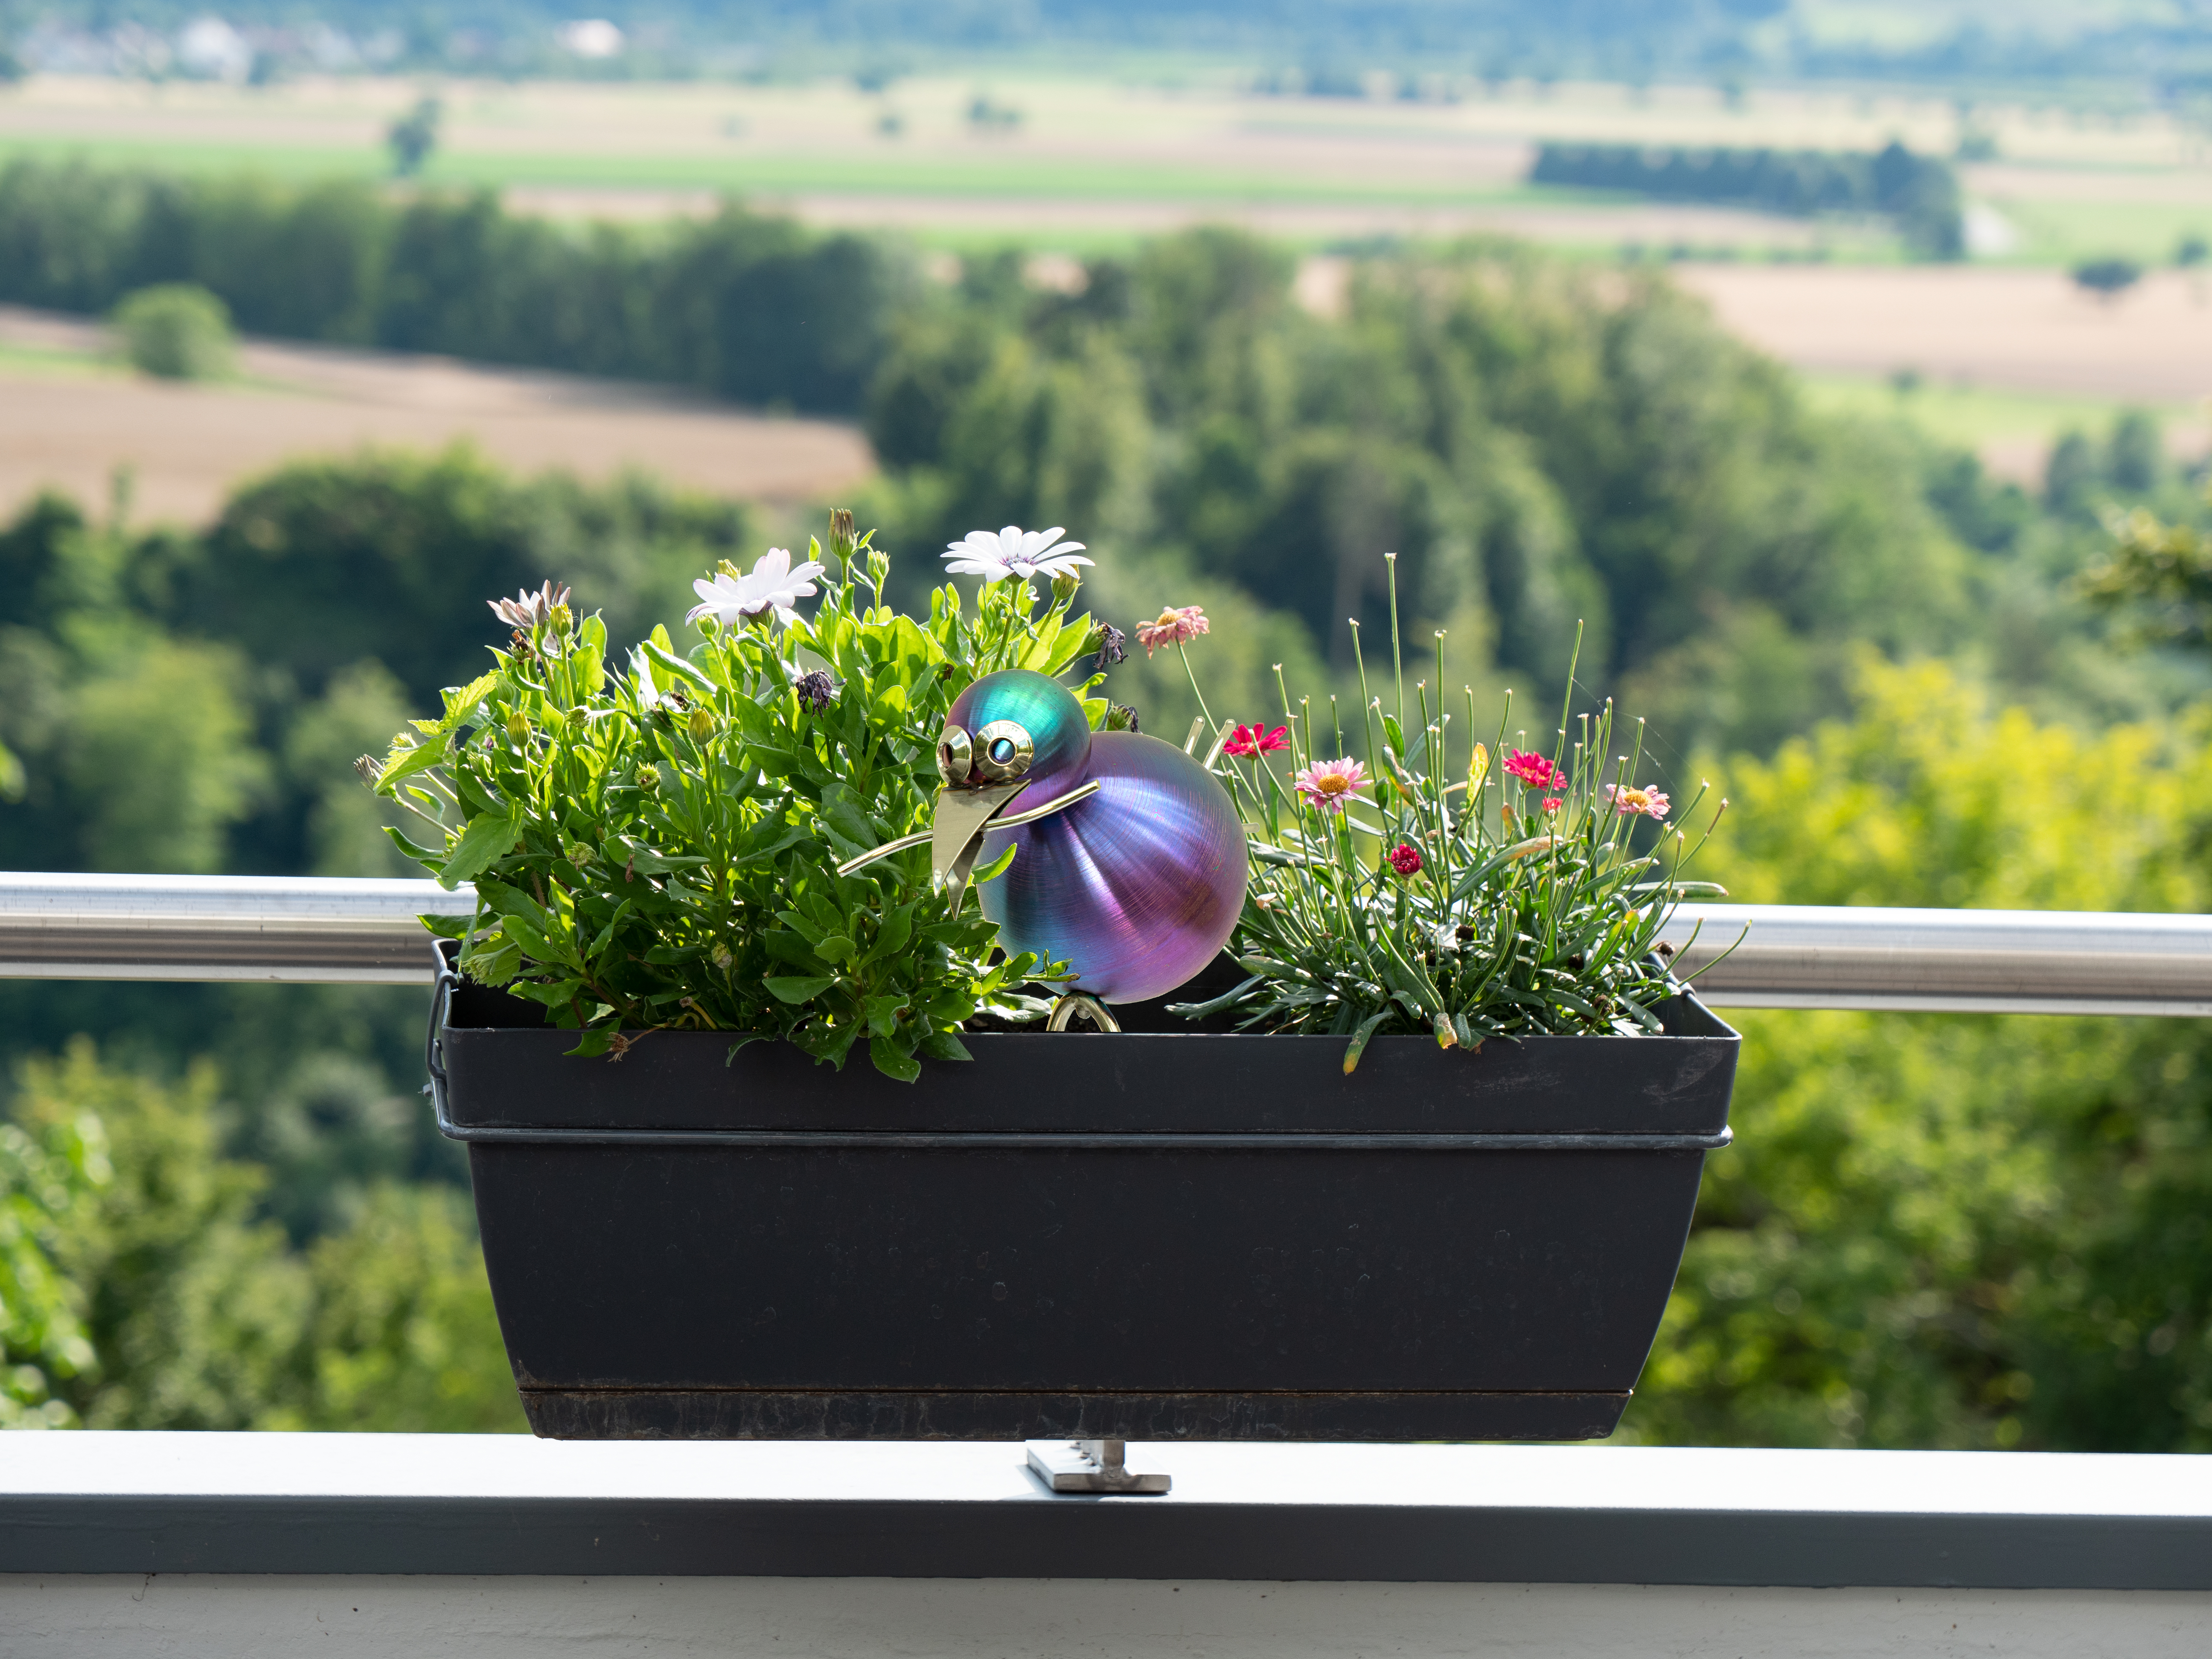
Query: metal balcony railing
<point x="234" y="1544"/>
<point x="326" y="930"/>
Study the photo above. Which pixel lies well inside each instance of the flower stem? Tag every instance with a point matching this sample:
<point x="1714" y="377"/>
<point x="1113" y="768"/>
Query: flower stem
<point x="1192" y="675"/>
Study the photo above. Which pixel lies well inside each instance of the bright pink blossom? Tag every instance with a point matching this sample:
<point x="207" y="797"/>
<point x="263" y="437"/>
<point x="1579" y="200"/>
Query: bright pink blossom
<point x="1652" y="803"/>
<point x="1553" y="803"/>
<point x="1172" y="627"/>
<point x="1255" y="740"/>
<point x="1405" y="858"/>
<point x="1533" y="769"/>
<point x="1327" y="785"/>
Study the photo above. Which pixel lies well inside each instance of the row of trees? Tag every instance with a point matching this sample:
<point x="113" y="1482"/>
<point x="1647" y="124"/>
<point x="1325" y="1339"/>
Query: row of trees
<point x="1546" y="447"/>
<point x="1919" y="192"/>
<point x="742" y="305"/>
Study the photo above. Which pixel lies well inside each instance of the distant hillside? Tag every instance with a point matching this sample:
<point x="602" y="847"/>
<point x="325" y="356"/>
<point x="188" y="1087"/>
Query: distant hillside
<point x="2163" y="43"/>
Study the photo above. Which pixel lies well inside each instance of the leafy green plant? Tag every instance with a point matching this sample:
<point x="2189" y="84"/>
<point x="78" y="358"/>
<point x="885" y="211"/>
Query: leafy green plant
<point x="657" y="846"/>
<point x="1388" y="897"/>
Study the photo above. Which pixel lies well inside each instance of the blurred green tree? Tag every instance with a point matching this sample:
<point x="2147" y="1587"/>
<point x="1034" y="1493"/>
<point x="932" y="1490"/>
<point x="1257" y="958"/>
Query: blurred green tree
<point x="146" y="1293"/>
<point x="1940" y="1230"/>
<point x="177" y="331"/>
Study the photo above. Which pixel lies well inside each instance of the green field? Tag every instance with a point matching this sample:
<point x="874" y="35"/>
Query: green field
<point x="988" y="174"/>
<point x="2066" y="233"/>
<point x="1982" y="418"/>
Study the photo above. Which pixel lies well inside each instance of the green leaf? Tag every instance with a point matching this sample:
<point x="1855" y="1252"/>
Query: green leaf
<point x="835" y="948"/>
<point x="636" y="855"/>
<point x="891" y="936"/>
<point x="1397" y="737"/>
<point x="483" y="844"/>
<point x="842" y="814"/>
<point x="803" y="927"/>
<point x="559" y="995"/>
<point x="461" y="700"/>
<point x="996" y="867"/>
<point x="402" y="763"/>
<point x="675" y="665"/>
<point x="944" y="1045"/>
<point x="893" y="1061"/>
<point x="795" y="989"/>
<point x="419" y="854"/>
<point x="1367" y="1028"/>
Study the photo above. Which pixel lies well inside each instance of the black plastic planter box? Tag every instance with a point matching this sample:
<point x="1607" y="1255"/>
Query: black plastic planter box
<point x="1146" y="1236"/>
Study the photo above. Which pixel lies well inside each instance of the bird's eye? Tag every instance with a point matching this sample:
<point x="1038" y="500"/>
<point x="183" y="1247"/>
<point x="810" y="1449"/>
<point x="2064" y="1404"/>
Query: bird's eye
<point x="1004" y="750"/>
<point x="955" y="750"/>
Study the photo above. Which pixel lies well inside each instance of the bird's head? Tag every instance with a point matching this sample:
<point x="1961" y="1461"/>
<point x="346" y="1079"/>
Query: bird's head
<point x="1006" y="733"/>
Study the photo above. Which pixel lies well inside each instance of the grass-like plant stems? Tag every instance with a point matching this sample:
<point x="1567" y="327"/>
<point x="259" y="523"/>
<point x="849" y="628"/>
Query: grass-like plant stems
<point x="1534" y="923"/>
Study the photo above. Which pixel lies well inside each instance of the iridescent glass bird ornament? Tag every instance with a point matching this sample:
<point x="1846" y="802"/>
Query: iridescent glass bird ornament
<point x="1129" y="858"/>
<point x="1136" y="885"/>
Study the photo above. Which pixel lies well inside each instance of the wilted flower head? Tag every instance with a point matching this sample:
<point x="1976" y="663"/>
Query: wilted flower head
<point x="1327" y="785"/>
<point x="815" y="690"/>
<point x="527" y="609"/>
<point x="1533" y="769"/>
<point x="1405" y="858"/>
<point x="1651" y="803"/>
<point x="773" y="584"/>
<point x="1013" y="552"/>
<point x="1109" y="644"/>
<point x="1172" y="627"/>
<point x="1255" y="740"/>
<point x="1120" y="717"/>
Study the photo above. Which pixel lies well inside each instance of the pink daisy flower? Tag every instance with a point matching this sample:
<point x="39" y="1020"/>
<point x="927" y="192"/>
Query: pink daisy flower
<point x="1172" y="627"/>
<point x="1651" y="803"/>
<point x="1327" y="785"/>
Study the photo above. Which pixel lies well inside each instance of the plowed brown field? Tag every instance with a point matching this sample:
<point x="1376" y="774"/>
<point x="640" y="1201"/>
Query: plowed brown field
<point x="69" y="419"/>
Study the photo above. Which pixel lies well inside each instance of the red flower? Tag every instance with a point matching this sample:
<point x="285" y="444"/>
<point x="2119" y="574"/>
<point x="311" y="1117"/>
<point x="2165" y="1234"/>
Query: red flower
<point x="1405" y="860"/>
<point x="1255" y="740"/>
<point x="1533" y="769"/>
<point x="1553" y="803"/>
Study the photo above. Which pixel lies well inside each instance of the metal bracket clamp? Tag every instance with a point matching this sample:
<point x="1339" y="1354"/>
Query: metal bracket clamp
<point x="1091" y="1465"/>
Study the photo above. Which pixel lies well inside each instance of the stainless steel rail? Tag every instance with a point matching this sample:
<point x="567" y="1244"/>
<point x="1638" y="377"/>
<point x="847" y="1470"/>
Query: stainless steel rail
<point x="2019" y="962"/>
<point x="314" y="929"/>
<point x="341" y="931"/>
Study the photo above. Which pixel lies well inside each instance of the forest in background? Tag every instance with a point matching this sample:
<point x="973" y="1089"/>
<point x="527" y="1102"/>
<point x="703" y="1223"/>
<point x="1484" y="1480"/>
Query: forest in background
<point x="1932" y="1230"/>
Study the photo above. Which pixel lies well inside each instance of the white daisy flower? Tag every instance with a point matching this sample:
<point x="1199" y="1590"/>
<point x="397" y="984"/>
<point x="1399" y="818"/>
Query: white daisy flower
<point x="772" y="584"/>
<point x="1013" y="552"/>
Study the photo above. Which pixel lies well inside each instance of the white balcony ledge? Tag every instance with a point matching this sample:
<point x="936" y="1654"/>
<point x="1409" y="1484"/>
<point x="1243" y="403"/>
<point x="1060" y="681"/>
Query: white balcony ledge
<point x="241" y="1544"/>
<point x="494" y="1505"/>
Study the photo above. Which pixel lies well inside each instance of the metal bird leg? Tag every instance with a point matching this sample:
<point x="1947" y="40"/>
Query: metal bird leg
<point x="1076" y="1004"/>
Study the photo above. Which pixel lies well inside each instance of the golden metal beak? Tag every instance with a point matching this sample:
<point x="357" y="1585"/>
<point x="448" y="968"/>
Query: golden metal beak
<point x="957" y="832"/>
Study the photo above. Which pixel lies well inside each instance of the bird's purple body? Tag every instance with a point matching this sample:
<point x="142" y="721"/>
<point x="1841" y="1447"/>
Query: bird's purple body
<point x="1137" y="887"/>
